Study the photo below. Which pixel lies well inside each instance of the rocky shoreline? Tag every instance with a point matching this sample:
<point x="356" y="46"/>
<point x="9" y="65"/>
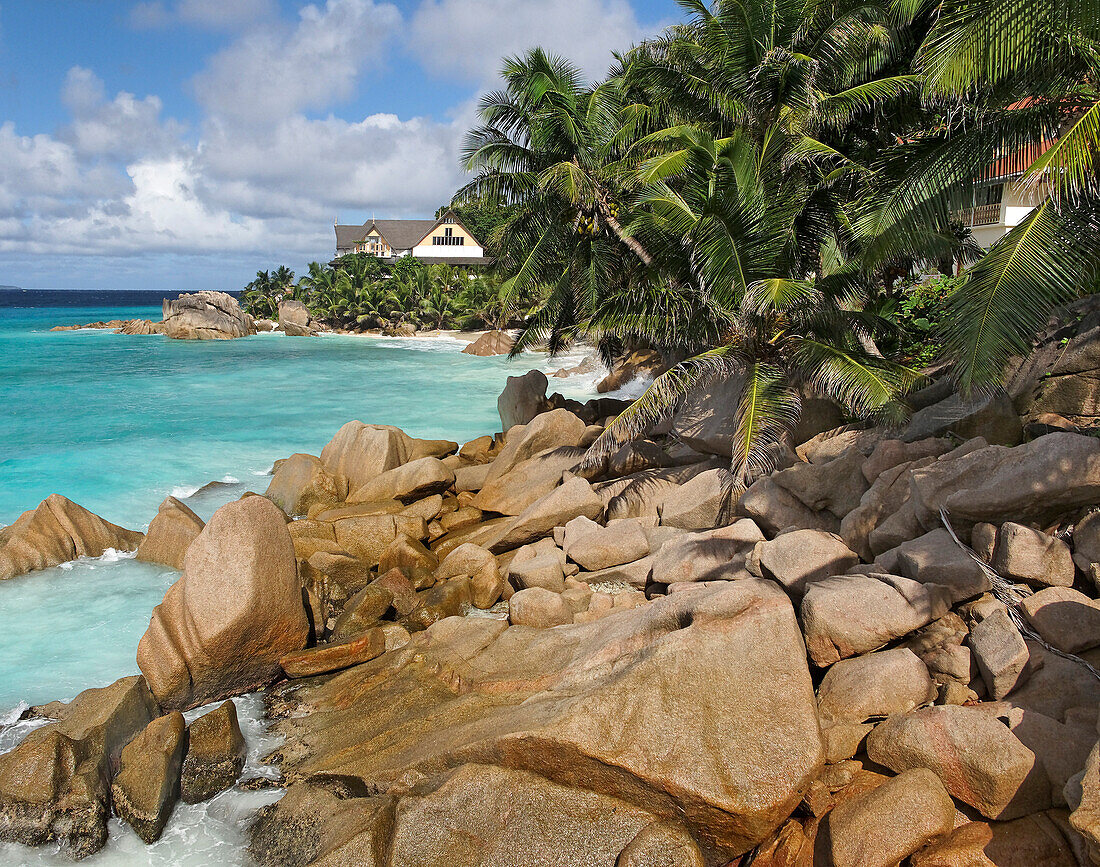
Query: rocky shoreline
<point x="881" y="652"/>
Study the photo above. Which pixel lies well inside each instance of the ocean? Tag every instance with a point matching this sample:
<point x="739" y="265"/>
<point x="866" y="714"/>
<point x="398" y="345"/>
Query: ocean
<point x="118" y="422"/>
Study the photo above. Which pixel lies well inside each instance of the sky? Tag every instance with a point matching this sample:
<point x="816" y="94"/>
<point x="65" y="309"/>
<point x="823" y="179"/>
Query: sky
<point x="186" y="144"/>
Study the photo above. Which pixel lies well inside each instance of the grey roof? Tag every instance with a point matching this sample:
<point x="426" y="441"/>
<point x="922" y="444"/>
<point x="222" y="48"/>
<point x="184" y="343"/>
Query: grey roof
<point x="399" y="234"/>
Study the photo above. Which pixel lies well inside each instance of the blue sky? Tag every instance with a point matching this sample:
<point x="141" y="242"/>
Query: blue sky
<point x="183" y="144"/>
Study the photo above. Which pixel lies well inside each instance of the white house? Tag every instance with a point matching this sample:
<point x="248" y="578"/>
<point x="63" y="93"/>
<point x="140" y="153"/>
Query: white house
<point x="444" y="240"/>
<point x="1002" y="200"/>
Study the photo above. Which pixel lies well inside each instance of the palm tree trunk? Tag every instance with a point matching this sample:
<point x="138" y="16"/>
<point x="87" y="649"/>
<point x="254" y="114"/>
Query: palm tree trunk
<point x="631" y="243"/>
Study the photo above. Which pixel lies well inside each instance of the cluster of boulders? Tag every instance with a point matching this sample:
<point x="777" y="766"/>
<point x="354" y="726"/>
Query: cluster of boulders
<point x="878" y="653"/>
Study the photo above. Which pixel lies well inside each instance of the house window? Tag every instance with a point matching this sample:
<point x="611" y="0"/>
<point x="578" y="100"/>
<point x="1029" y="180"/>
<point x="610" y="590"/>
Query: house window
<point x="448" y="240"/>
<point x="448" y="220"/>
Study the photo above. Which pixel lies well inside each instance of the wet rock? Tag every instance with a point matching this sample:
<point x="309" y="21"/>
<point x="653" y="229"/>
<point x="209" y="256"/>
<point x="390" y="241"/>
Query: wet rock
<point x="300" y="483"/>
<point x="55" y="532"/>
<point x="851" y="614"/>
<point x="237" y="609"/>
<point x="170" y="534"/>
<point x="1024" y="554"/>
<point x="635" y="364"/>
<point x="205" y="315"/>
<point x="523" y="398"/>
<point x="979" y="761"/>
<point x="54" y="786"/>
<point x="215" y="754"/>
<point x="147" y="785"/>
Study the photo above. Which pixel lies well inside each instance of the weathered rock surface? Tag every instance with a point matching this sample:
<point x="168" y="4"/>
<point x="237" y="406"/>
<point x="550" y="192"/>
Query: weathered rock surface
<point x="698" y="504"/>
<point x="147" y="785"/>
<point x="295" y="319"/>
<point x="934" y="558"/>
<point x="55" y="532"/>
<point x="991" y="416"/>
<point x="54" y="787"/>
<point x="205" y="315"/>
<point x="1085" y="818"/>
<point x="407" y="483"/>
<point x="708" y="555"/>
<point x="491" y="343"/>
<point x="477" y="564"/>
<point x="539" y="701"/>
<point x="525" y="482"/>
<point x="882" y="827"/>
<point x="875" y="685"/>
<point x="852" y="614"/>
<point x="638" y="363"/>
<point x="170" y="534"/>
<point x="237" y="609"/>
<point x="558" y="428"/>
<point x="1065" y="618"/>
<point x="335" y="655"/>
<point x="523" y="398"/>
<point x="359" y="452"/>
<point x="975" y="755"/>
<point x="302" y="482"/>
<point x="594" y="547"/>
<point x="556" y="509"/>
<point x="539" y="607"/>
<point x="215" y="754"/>
<point x="1025" y="554"/>
<point x="1000" y="652"/>
<point x="799" y="558"/>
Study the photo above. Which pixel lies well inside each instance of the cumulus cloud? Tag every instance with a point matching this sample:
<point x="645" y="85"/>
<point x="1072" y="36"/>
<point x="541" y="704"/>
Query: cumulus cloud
<point x="468" y="38"/>
<point x="121" y="128"/>
<point x="270" y="74"/>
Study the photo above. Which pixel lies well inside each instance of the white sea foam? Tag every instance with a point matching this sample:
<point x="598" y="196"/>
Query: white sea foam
<point x="230" y="480"/>
<point x="197" y="834"/>
<point x="182" y="492"/>
<point x="12" y="716"/>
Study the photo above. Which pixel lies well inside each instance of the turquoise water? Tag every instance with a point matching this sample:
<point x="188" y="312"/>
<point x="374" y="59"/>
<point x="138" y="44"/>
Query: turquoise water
<point x="117" y="422"/>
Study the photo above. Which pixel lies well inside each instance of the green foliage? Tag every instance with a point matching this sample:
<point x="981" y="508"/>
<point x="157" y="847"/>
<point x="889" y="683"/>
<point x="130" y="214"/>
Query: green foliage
<point x="360" y="292"/>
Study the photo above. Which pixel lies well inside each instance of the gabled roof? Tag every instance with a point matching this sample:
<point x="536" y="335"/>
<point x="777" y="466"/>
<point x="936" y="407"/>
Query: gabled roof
<point x="399" y="234"/>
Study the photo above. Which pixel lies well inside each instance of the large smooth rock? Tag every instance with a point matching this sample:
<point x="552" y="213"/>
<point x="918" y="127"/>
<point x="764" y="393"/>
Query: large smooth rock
<point x="934" y="558"/>
<point x="875" y="685"/>
<point x="975" y="755"/>
<point x="147" y="785"/>
<point x="205" y="315"/>
<point x="593" y="547"/>
<point x="699" y="503"/>
<point x="851" y="614"/>
<point x="558" y="428"/>
<point x="335" y="655"/>
<point x="1028" y="555"/>
<point x="477" y="564"/>
<point x="1000" y="652"/>
<point x="1038" y="482"/>
<point x="215" y="754"/>
<point x="54" y="786"/>
<point x="556" y="509"/>
<point x="525" y="482"/>
<point x="359" y="452"/>
<point x="1065" y="618"/>
<point x="491" y="343"/>
<point x="523" y="398"/>
<point x="295" y="319"/>
<point x="170" y="534"/>
<point x="55" y="532"/>
<point x="367" y="537"/>
<point x="237" y="609"/>
<point x="776" y="509"/>
<point x="884" y="826"/>
<point x="1085" y="818"/>
<point x="302" y="482"/>
<point x="1086" y="547"/>
<point x="539" y="608"/>
<point x="590" y="707"/>
<point x="991" y="416"/>
<point x="406" y="483"/>
<point x="709" y="555"/>
<point x="707" y="420"/>
<point x="799" y="558"/>
<point x="834" y="486"/>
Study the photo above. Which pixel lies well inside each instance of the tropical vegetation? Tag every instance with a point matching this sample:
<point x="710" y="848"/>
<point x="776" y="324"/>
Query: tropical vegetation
<point x="757" y="192"/>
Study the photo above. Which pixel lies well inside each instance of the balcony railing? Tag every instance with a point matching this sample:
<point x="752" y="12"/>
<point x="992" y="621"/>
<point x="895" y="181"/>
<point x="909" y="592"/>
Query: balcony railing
<point x="982" y="215"/>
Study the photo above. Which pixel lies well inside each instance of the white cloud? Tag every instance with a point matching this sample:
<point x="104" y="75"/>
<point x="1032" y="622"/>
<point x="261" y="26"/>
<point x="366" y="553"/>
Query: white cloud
<point x="122" y="128"/>
<point x="468" y="38"/>
<point x="269" y="74"/>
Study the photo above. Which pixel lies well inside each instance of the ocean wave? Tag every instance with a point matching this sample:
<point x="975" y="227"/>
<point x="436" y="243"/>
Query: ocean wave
<point x="182" y="492"/>
<point x="12" y="716"/>
<point x="108" y="556"/>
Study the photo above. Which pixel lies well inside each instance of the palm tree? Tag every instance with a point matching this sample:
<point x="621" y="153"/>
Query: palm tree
<point x="1011" y="78"/>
